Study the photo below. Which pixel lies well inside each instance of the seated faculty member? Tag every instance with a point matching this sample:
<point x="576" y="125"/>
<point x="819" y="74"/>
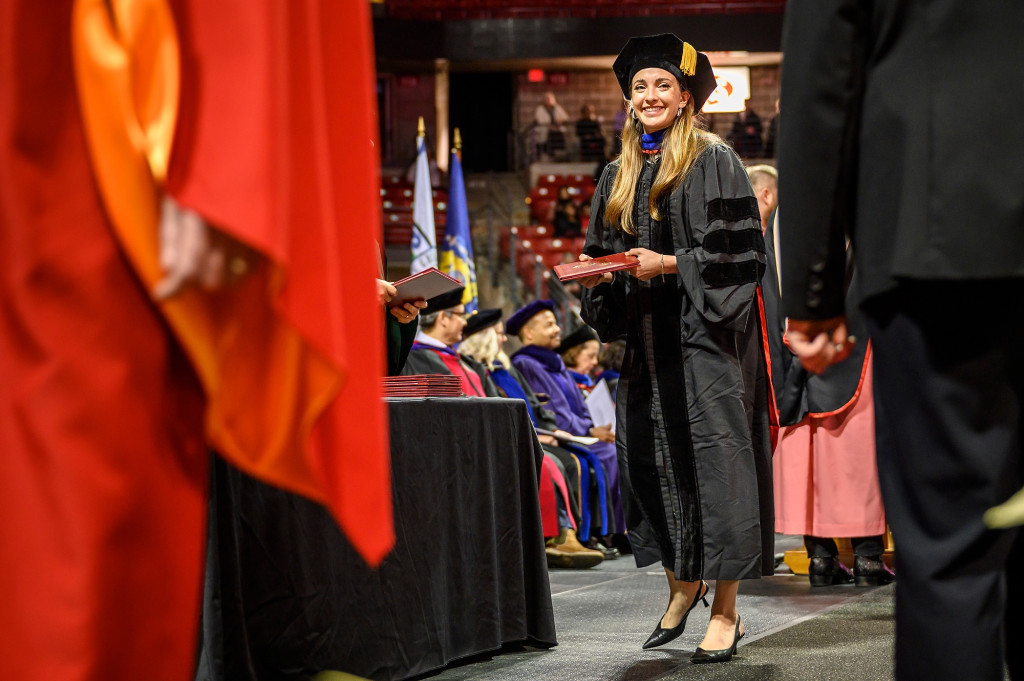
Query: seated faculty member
<point x="544" y="370"/>
<point x="433" y="351"/>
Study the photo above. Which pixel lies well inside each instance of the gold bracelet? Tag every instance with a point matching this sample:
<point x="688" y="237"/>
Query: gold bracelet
<point x="662" y="267"/>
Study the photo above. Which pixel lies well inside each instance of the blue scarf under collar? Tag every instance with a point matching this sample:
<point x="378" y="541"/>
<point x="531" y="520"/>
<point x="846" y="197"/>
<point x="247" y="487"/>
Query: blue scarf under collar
<point x="652" y="141"/>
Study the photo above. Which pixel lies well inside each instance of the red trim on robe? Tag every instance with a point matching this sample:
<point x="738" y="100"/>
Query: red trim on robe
<point x="856" y="394"/>
<point x="773" y="409"/>
<point x="548" y="505"/>
<point x="470" y="381"/>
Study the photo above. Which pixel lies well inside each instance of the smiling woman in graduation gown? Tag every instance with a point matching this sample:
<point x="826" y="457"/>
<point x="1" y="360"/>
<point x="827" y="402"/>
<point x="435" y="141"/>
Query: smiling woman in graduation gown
<point x="693" y="418"/>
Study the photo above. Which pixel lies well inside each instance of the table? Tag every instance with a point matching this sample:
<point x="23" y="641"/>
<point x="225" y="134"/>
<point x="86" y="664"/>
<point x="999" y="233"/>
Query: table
<point x="286" y="595"/>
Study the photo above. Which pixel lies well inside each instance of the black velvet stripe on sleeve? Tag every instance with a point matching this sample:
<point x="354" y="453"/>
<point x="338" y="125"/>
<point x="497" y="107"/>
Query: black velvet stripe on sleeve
<point x="734" y="242"/>
<point x="733" y="210"/>
<point x="717" y="274"/>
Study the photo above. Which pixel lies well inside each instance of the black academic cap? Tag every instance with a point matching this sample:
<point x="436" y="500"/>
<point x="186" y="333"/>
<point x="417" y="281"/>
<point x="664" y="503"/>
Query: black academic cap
<point x="445" y="301"/>
<point x="691" y="68"/>
<point x="524" y="314"/>
<point x="480" y="320"/>
<point x="577" y="337"/>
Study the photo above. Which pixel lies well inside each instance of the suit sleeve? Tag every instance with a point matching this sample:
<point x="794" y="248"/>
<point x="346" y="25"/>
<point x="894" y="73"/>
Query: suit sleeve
<point x="722" y="258"/>
<point x="825" y="43"/>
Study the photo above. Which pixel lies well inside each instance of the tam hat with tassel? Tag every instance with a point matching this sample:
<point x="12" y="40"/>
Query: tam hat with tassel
<point x="665" y="51"/>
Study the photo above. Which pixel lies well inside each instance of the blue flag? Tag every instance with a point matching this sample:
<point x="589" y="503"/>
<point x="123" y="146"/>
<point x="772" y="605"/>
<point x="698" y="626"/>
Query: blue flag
<point x="457" y="249"/>
<point x="424" y="247"/>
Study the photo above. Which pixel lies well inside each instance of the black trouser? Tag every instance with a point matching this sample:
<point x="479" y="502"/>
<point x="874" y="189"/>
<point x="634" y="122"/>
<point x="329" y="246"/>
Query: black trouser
<point x="949" y="384"/>
<point x="825" y="547"/>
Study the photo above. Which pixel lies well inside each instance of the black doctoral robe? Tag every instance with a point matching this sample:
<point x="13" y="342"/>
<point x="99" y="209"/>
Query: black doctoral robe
<point x="693" y="433"/>
<point x="399" y="339"/>
<point x="426" y="361"/>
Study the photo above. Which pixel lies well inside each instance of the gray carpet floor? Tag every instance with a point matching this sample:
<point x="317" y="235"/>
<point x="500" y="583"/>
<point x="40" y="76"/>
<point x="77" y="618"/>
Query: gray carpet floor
<point x="603" y="615"/>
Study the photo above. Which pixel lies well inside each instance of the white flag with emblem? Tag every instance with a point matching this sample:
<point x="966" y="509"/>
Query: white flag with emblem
<point x="424" y="237"/>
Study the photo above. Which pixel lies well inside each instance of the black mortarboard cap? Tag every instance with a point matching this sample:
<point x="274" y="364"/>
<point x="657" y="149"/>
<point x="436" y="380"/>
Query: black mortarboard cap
<point x="445" y="301"/>
<point x="524" y="314"/>
<point x="480" y="320"/>
<point x="665" y="51"/>
<point x="578" y="337"/>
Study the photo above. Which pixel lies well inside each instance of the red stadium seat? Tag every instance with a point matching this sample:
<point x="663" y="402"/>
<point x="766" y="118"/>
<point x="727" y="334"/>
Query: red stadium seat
<point x="532" y="231"/>
<point x="543" y="211"/>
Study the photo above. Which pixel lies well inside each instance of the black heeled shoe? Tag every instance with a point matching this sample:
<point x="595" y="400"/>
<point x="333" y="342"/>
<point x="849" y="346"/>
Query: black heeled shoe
<point x="724" y="655"/>
<point x="868" y="571"/>
<point x="662" y="636"/>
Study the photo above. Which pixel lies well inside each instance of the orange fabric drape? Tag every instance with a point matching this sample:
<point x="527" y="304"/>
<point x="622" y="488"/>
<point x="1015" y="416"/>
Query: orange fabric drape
<point x="103" y="466"/>
<point x="271" y="110"/>
<point x="253" y="112"/>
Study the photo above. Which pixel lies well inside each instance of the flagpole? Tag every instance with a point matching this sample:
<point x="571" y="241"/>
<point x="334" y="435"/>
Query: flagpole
<point x="421" y="135"/>
<point x="456" y="256"/>
<point x="424" y="241"/>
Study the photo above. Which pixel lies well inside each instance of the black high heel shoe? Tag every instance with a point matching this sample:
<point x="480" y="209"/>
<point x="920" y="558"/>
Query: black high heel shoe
<point x="662" y="636"/>
<point x="724" y="655"/>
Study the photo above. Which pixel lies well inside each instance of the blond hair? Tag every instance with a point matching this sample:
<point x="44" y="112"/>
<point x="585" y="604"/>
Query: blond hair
<point x="682" y="146"/>
<point x="761" y="174"/>
<point x="482" y="346"/>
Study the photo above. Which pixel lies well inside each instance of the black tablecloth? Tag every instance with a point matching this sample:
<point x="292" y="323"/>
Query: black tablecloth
<point x="286" y="595"/>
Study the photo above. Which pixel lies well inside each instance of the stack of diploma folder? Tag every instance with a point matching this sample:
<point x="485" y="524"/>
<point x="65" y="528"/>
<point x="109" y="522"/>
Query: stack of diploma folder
<point x="422" y="385"/>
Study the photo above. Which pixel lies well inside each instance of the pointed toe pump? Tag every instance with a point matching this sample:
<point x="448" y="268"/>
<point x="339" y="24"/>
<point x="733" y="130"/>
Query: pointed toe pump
<point x="662" y="636"/>
<point x="724" y="655"/>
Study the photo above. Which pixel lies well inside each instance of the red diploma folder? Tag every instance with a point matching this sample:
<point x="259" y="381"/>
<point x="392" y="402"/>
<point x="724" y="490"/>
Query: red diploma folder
<point x="423" y="286"/>
<point x="586" y="268"/>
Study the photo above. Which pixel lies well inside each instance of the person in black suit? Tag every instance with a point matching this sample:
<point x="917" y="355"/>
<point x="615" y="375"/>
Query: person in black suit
<point x="874" y="148"/>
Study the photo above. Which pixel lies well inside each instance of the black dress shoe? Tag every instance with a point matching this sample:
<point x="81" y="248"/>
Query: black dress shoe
<point x="621" y="542"/>
<point x="724" y="655"/>
<point x="871" y="571"/>
<point x="608" y="540"/>
<point x="662" y="636"/>
<point x="596" y="545"/>
<point x="827" y="570"/>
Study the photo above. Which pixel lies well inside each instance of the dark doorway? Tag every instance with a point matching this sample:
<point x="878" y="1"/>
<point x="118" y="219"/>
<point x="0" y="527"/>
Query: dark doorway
<point x="481" y="108"/>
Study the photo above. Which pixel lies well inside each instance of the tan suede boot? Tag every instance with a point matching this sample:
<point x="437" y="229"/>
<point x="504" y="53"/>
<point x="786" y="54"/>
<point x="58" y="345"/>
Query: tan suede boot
<point x="566" y="551"/>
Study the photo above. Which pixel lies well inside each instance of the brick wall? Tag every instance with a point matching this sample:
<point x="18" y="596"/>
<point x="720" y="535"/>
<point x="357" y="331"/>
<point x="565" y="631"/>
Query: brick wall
<point x="597" y="88"/>
<point x="600" y="89"/>
<point x="408" y="101"/>
<point x="764" y="91"/>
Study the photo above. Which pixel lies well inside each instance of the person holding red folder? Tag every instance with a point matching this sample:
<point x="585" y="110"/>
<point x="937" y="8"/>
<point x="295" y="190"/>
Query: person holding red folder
<point x="693" y="432"/>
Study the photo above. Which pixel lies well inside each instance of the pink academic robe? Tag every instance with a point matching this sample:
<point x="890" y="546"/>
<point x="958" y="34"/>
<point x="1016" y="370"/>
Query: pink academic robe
<point x="826" y="480"/>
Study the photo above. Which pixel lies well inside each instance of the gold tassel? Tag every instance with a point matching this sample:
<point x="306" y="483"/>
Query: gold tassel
<point x="688" y="64"/>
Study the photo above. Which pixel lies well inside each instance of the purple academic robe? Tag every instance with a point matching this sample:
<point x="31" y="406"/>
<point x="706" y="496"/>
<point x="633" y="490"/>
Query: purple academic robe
<point x="544" y="370"/>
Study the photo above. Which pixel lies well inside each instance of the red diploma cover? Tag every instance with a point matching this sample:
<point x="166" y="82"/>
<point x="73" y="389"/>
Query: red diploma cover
<point x="423" y="286"/>
<point x="588" y="268"/>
